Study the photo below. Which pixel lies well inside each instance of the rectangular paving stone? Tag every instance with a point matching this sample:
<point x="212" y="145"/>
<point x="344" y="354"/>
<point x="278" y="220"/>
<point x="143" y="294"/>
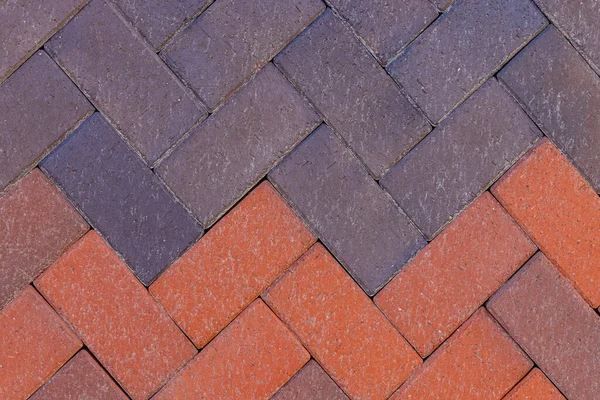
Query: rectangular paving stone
<point x="461" y="158"/>
<point x="125" y="79"/>
<point x="252" y="358"/>
<point x="556" y="207"/>
<point x="352" y="215"/>
<point x="459" y="51"/>
<point x="310" y="383"/>
<point x="122" y="198"/>
<point x="232" y="150"/>
<point x="82" y="378"/>
<point x="117" y="319"/>
<point x="26" y="24"/>
<point x="231" y="266"/>
<point x="38" y="225"/>
<point x="359" y="101"/>
<point x="39" y="106"/>
<point x="234" y="39"/>
<point x="561" y="93"/>
<point x="341" y="327"/>
<point x="34" y="343"/>
<point x="534" y="386"/>
<point x="542" y="311"/>
<point x="479" y="361"/>
<point x="455" y="274"/>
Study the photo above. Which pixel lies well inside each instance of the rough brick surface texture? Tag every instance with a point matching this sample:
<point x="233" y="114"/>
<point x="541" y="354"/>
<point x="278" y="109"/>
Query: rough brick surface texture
<point x="310" y="383"/>
<point x="535" y="386"/>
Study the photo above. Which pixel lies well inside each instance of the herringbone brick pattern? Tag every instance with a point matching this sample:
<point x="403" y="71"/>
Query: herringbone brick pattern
<point x="299" y="199"/>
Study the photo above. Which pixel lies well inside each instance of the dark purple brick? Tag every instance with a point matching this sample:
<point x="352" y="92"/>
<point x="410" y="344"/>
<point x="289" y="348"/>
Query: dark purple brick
<point x="562" y="94"/>
<point x="354" y="217"/>
<point x="232" y="40"/>
<point x="310" y="383"/>
<point x="557" y="328"/>
<point x="125" y="79"/>
<point x="460" y="50"/>
<point x="358" y="99"/>
<point x="461" y="158"/>
<point x="39" y="106"/>
<point x="233" y="149"/>
<point x="386" y="26"/>
<point x="121" y="197"/>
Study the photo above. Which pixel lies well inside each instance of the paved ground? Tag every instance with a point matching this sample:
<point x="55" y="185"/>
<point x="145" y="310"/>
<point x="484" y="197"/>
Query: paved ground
<point x="298" y="199"/>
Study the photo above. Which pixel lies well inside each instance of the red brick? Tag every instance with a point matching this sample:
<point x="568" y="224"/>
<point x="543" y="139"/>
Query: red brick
<point x="38" y="224"/>
<point x="558" y="210"/>
<point x="252" y="358"/>
<point x="455" y="274"/>
<point x="341" y="327"/>
<point x="310" y="383"/>
<point x="34" y="343"/>
<point x="229" y="267"/>
<point x="480" y="361"/>
<point x="535" y="386"/>
<point x="115" y="316"/>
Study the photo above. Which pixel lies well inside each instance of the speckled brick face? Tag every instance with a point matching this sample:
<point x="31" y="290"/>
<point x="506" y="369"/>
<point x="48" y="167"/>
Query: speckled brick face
<point x="534" y="386"/>
<point x="122" y="198"/>
<point x="310" y="383"/>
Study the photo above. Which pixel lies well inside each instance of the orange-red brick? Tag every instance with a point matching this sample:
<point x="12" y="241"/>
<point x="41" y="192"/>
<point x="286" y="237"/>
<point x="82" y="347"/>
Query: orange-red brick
<point x="251" y="359"/>
<point x="229" y="267"/>
<point x="535" y="386"/>
<point x="116" y="317"/>
<point x="455" y="274"/>
<point x="341" y="327"/>
<point x="560" y="211"/>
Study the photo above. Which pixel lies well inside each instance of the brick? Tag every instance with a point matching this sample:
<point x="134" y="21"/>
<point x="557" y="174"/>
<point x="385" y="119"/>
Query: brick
<point x="461" y="158"/>
<point x="34" y="343"/>
<point x="117" y="319"/>
<point x="352" y="215"/>
<point x="125" y="79"/>
<point x="562" y="95"/>
<point x="359" y="101"/>
<point x="310" y="383"/>
<point x="231" y="266"/>
<point x="232" y="40"/>
<point x="217" y="165"/>
<point x="455" y="274"/>
<point x="386" y="27"/>
<point x="479" y="361"/>
<point x="26" y="24"/>
<point x="82" y="378"/>
<point x="38" y="225"/>
<point x="341" y="327"/>
<point x="489" y="32"/>
<point x="39" y="107"/>
<point x="542" y="311"/>
<point x="559" y="211"/>
<point x="534" y="386"/>
<point x="252" y="358"/>
<point x="133" y="211"/>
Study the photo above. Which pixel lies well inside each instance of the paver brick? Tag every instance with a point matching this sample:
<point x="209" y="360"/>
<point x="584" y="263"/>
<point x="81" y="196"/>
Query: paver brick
<point x="562" y="94"/>
<point x="461" y="158"/>
<point x="535" y="386"/>
<point x="353" y="216"/>
<point x="341" y="327"/>
<point x="34" y="343"/>
<point x="559" y="211"/>
<point x="232" y="40"/>
<point x="542" y="311"/>
<point x="231" y="151"/>
<point x="39" y="106"/>
<point x="38" y="225"/>
<point x="329" y="65"/>
<point x="479" y="361"/>
<point x="125" y="79"/>
<point x="231" y="266"/>
<point x="459" y="51"/>
<point x="310" y="383"/>
<point x="117" y="319"/>
<point x="252" y="358"/>
<point x="455" y="274"/>
<point x="122" y="198"/>
<point x="26" y="24"/>
<point x="82" y="378"/>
